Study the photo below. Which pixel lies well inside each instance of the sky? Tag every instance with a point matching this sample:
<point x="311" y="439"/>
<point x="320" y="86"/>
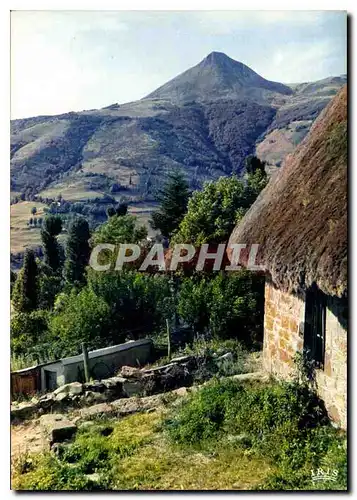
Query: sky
<point x="73" y="60"/>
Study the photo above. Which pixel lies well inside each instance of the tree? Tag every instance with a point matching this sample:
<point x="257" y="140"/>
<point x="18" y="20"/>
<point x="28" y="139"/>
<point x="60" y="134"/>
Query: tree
<point x="224" y="305"/>
<point x="51" y="228"/>
<point x="213" y="212"/>
<point x="122" y="209"/>
<point x="110" y="212"/>
<point x="254" y="164"/>
<point x="82" y="317"/>
<point x="120" y="229"/>
<point x="256" y="178"/>
<point x="33" y="210"/>
<point x="77" y="251"/>
<point x="24" y="296"/>
<point x="173" y="200"/>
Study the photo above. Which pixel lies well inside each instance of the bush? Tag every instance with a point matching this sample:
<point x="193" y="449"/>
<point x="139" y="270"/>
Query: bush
<point x="225" y="306"/>
<point x="282" y="421"/>
<point x="137" y="303"/>
<point x="83" y="317"/>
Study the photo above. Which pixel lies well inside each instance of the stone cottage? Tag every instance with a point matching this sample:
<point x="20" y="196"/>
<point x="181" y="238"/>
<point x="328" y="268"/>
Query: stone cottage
<point x="299" y="222"/>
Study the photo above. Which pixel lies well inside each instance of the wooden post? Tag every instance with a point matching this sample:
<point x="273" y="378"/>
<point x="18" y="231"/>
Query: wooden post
<point x="85" y="362"/>
<point x="168" y="339"/>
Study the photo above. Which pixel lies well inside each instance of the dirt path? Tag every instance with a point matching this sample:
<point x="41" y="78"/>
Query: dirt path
<point x="27" y="437"/>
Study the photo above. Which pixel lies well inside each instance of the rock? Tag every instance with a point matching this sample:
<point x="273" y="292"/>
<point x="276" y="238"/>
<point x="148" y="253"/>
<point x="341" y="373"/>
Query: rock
<point x="226" y="357"/>
<point x="130" y="372"/>
<point x="133" y="388"/>
<point x="183" y="359"/>
<point x="93" y="398"/>
<point x="250" y="376"/>
<point x="182" y="391"/>
<point x="99" y="410"/>
<point x="46" y="402"/>
<point x="57" y="427"/>
<point x="62" y="396"/>
<point x="95" y="386"/>
<point x="23" y="411"/>
<point x="129" y="406"/>
<point x="72" y="388"/>
<point x="159" y="369"/>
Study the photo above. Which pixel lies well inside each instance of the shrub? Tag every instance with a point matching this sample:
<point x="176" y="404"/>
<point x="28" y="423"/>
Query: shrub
<point x="226" y="306"/>
<point x="282" y="421"/>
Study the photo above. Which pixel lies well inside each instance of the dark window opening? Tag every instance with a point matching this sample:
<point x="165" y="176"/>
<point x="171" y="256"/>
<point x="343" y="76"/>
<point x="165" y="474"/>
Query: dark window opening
<point x="315" y="326"/>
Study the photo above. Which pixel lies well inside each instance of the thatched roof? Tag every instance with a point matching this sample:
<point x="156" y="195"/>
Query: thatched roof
<point x="300" y="218"/>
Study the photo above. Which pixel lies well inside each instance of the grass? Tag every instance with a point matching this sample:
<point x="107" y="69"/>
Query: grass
<point x="21" y="235"/>
<point x="72" y="190"/>
<point x="135" y="454"/>
<point x="282" y="422"/>
<point x="226" y="436"/>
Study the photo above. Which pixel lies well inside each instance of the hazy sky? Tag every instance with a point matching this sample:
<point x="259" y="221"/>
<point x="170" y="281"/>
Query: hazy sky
<point x="74" y="60"/>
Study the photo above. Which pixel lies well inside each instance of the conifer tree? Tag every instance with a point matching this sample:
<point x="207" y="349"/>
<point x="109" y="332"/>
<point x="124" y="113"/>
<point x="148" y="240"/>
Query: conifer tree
<point x="173" y="199"/>
<point x="77" y="251"/>
<point x="24" y="296"/>
<point x="51" y="228"/>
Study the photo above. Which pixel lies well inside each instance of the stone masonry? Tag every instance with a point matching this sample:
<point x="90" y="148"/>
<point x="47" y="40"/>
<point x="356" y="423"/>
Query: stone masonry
<point x="284" y="336"/>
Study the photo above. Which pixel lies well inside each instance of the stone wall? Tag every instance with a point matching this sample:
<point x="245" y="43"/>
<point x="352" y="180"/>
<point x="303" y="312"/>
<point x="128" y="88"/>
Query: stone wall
<point x="284" y="336"/>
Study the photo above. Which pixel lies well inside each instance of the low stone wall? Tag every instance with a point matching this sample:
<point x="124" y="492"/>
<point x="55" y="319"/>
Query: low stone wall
<point x="284" y="336"/>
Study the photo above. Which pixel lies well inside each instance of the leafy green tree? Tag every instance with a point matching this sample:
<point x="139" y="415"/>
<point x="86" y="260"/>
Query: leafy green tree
<point x="138" y="303"/>
<point x="49" y="285"/>
<point x="173" y="199"/>
<point x="27" y="330"/>
<point x="82" y="317"/>
<point x="51" y="228"/>
<point x="24" y="296"/>
<point x="119" y="229"/>
<point x="213" y="212"/>
<point x="77" y="251"/>
<point x="224" y="306"/>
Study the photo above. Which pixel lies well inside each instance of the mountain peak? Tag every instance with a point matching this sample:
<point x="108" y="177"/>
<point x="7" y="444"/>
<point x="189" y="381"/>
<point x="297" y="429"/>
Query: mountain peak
<point x="216" y="77"/>
<point x="216" y="57"/>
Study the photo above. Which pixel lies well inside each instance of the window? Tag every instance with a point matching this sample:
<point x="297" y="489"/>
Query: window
<point x="315" y="326"/>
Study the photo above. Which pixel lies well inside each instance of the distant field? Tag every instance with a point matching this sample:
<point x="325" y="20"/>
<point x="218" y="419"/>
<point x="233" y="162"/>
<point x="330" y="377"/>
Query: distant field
<point x="76" y="191"/>
<point x="21" y="235"/>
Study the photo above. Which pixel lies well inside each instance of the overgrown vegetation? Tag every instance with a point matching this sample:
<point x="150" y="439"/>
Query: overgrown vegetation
<point x="283" y="422"/>
<point x="224" y="436"/>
